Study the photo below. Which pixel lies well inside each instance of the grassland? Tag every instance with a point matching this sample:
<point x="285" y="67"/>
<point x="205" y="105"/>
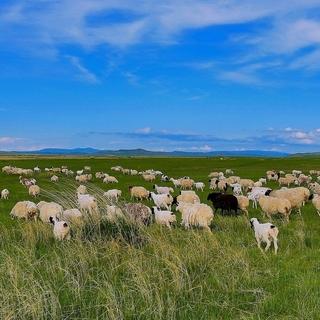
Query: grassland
<point x="176" y="274"/>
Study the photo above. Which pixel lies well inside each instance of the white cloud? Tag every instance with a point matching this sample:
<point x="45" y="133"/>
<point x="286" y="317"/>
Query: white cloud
<point x="83" y="72"/>
<point x="145" y="130"/>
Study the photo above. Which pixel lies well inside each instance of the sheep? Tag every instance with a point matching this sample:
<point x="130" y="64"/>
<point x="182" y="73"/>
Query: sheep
<point x="186" y="183"/>
<point x="87" y="168"/>
<point x="139" y="192"/>
<point x="222" y="185"/>
<point x="163" y="217"/>
<point x="82" y="189"/>
<point x="243" y="204"/>
<point x="316" y="202"/>
<point x="113" y="194"/>
<point x="303" y="179"/>
<point x="229" y="171"/>
<point x="24" y="210"/>
<point x="5" y="194"/>
<point x="287" y="181"/>
<point x="54" y="179"/>
<point x="272" y="175"/>
<point x="49" y="209"/>
<point x="110" y="179"/>
<point x="246" y="184"/>
<point x="199" y="186"/>
<point x="79" y="172"/>
<point x="149" y="177"/>
<point x="236" y="189"/>
<point x="114" y="213"/>
<point x="271" y="205"/>
<point x="315" y="187"/>
<point x="163" y="190"/>
<point x="34" y="190"/>
<point x="256" y="193"/>
<point x="164" y="178"/>
<point x="263" y="180"/>
<point x="72" y="215"/>
<point x="176" y="182"/>
<point x="224" y="202"/>
<point x="186" y="197"/>
<point x="162" y="201"/>
<point x="296" y="196"/>
<point x="199" y="215"/>
<point x="213" y="183"/>
<point x="61" y="229"/>
<point x="88" y="203"/>
<point x="100" y="175"/>
<point x="213" y="175"/>
<point x="258" y="184"/>
<point x="138" y="213"/>
<point x="36" y="169"/>
<point x="265" y="232"/>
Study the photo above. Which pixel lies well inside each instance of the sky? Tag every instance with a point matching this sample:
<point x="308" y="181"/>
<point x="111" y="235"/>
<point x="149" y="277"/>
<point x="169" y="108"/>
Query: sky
<point x="192" y="75"/>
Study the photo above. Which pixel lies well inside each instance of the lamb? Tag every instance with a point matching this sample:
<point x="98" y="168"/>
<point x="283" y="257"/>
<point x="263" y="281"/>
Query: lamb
<point x="49" y="209"/>
<point x="163" y="201"/>
<point x="199" y="215"/>
<point x="256" y="193"/>
<point x="61" y="229"/>
<point x="36" y="169"/>
<point x="243" y="204"/>
<point x="199" y="186"/>
<point x="236" y="188"/>
<point x="138" y="213"/>
<point x="5" y="194"/>
<point x="271" y="205"/>
<point x="176" y="182"/>
<point x="24" y="210"/>
<point x="224" y="202"/>
<point x="110" y="179"/>
<point x="263" y="180"/>
<point x="186" y="197"/>
<point x="265" y="232"/>
<point x="163" y="217"/>
<point x="139" y="192"/>
<point x="163" y="190"/>
<point x="34" y="190"/>
<point x="54" y="179"/>
<point x="88" y="203"/>
<point x="113" y="194"/>
<point x="164" y="178"/>
<point x="213" y="183"/>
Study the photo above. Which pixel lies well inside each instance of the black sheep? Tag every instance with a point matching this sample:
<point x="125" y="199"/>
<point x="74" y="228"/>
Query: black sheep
<point x="225" y="202"/>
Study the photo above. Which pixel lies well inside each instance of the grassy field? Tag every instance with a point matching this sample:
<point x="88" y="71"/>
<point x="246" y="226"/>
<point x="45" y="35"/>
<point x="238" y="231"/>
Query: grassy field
<point x="175" y="274"/>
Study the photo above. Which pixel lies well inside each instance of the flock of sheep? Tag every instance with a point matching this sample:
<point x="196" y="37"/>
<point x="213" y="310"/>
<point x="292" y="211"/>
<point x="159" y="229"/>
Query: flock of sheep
<point x="295" y="190"/>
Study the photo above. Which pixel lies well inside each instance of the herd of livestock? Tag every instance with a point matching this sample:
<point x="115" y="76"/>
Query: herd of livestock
<point x="230" y="193"/>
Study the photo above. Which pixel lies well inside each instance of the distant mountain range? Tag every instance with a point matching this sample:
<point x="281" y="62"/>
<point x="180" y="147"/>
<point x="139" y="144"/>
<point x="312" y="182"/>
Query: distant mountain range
<point x="146" y="153"/>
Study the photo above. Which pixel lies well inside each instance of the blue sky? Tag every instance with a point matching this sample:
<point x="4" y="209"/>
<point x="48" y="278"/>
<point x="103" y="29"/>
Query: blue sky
<point x="190" y="75"/>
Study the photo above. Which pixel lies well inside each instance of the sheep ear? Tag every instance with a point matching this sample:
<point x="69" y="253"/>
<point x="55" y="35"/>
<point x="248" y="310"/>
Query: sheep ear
<point x="272" y="227"/>
<point x="51" y="220"/>
<point x="65" y="225"/>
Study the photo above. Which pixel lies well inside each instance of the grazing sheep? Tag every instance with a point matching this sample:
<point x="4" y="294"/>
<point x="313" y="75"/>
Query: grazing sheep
<point x="72" y="215"/>
<point x="176" y="182"/>
<point x="163" y="217"/>
<point x="113" y="194"/>
<point x="138" y="212"/>
<point x="34" y="190"/>
<point x="198" y="215"/>
<point x="186" y="183"/>
<point x="88" y="203"/>
<point x="243" y="204"/>
<point x="265" y="232"/>
<point x="186" y="197"/>
<point x="229" y="171"/>
<point x="149" y="177"/>
<point x="164" y="178"/>
<point x="24" y="210"/>
<point x="61" y="229"/>
<point x="139" y="193"/>
<point x="316" y="202"/>
<point x="5" y="194"/>
<point x="213" y="174"/>
<point x="246" y="184"/>
<point x="286" y="181"/>
<point x="199" y="186"/>
<point x="110" y="179"/>
<point x="225" y="202"/>
<point x="162" y="201"/>
<point x="271" y="205"/>
<point x="54" y="179"/>
<point x="49" y="209"/>
<point x="163" y="190"/>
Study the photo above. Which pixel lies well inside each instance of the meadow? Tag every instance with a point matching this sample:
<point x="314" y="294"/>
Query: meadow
<point x="173" y="274"/>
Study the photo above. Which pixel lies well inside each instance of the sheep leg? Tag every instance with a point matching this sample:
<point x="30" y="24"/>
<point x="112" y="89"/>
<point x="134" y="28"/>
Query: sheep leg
<point x="268" y="245"/>
<point x="275" y="243"/>
<point x="259" y="244"/>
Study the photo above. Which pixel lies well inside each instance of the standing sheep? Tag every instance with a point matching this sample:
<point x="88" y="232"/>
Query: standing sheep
<point x="61" y="229"/>
<point x="34" y="190"/>
<point x="5" y="194"/>
<point x="25" y="210"/>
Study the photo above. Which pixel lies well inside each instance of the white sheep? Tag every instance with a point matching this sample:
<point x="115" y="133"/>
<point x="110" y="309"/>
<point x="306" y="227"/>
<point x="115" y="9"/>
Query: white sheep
<point x="199" y="186"/>
<point x="113" y="194"/>
<point x="316" y="203"/>
<point x="176" y="182"/>
<point x="54" y="179"/>
<point x="163" y="190"/>
<point x="5" y="194"/>
<point x="163" y="217"/>
<point x="49" y="209"/>
<point x="82" y="189"/>
<point x="110" y="179"/>
<point x="25" y="210"/>
<point x="243" y="204"/>
<point x="88" y="203"/>
<point x="188" y="197"/>
<point x="34" y="190"/>
<point x="265" y="232"/>
<point x="256" y="193"/>
<point x="72" y="215"/>
<point x="163" y="201"/>
<point x="61" y="229"/>
<point x="237" y="189"/>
